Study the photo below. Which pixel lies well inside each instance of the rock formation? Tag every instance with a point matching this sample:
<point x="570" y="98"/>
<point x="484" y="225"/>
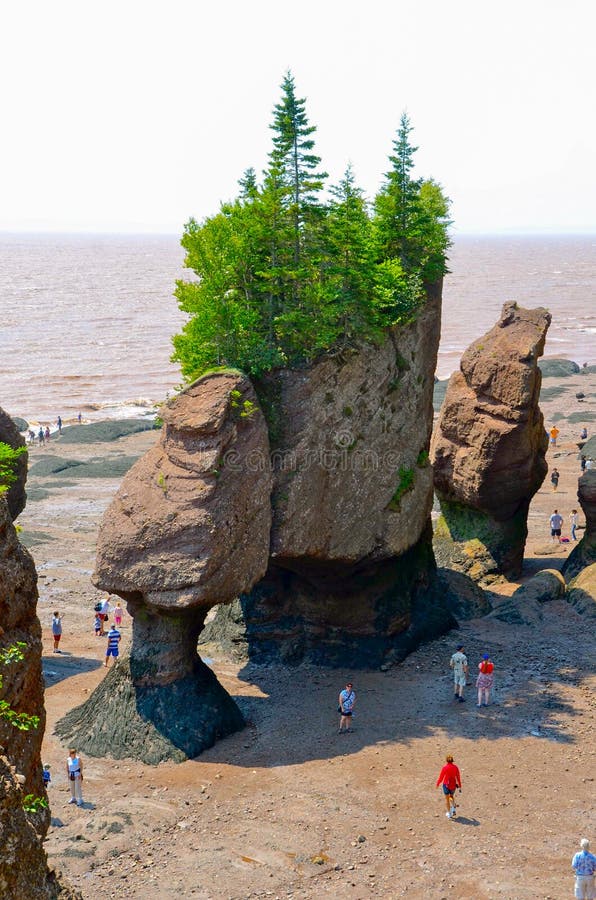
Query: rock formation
<point x="489" y="446"/>
<point x="585" y="552"/>
<point x="351" y="577"/>
<point x="582" y="592"/>
<point x="23" y="864"/>
<point x="16" y="496"/>
<point x="189" y="528"/>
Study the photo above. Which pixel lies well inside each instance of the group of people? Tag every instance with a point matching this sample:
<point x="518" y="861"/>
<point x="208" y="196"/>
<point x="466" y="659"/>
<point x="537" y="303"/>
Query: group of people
<point x="556" y="525"/>
<point x="484" y="679"/>
<point x="102" y="615"/>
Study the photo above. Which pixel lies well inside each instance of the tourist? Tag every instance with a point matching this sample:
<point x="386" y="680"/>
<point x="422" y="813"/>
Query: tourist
<point x="347" y="701"/>
<point x="57" y="631"/>
<point x="554" y="479"/>
<point x="459" y="664"/>
<point x="554" y="434"/>
<point x="117" y="614"/>
<point x="97" y="625"/>
<point x="40" y="436"/>
<point x="74" y="772"/>
<point x="59" y="424"/>
<point x="556" y="521"/>
<point x="113" y="641"/>
<point x="47" y="433"/>
<point x="573" y="521"/>
<point x="584" y="434"/>
<point x="79" y="418"/>
<point x="47" y="778"/>
<point x="582" y="463"/>
<point x="589" y="464"/>
<point x="584" y="866"/>
<point x="485" y="679"/>
<point x="31" y="437"/>
<point x="104" y="614"/>
<point x="450" y="778"/>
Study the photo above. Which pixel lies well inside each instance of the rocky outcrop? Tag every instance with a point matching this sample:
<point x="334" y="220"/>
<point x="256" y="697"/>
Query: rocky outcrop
<point x="351" y="577"/>
<point x="524" y="607"/>
<point x="188" y="529"/>
<point x="464" y="598"/>
<point x="23" y="864"/>
<point x="9" y="434"/>
<point x="489" y="444"/>
<point x="582" y="592"/>
<point x="585" y="553"/>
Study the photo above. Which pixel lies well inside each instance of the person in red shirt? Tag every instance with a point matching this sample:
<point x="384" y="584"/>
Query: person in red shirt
<point x="485" y="680"/>
<point x="450" y="778"/>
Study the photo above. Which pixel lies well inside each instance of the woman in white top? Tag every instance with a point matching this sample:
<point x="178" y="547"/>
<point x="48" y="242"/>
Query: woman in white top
<point x="74" y="771"/>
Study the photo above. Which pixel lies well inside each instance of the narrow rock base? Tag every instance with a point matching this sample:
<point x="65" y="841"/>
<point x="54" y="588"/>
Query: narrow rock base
<point x="152" y="722"/>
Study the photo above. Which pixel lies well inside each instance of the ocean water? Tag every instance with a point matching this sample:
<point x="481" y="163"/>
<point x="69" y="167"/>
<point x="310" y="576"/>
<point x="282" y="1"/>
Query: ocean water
<point x="86" y="321"/>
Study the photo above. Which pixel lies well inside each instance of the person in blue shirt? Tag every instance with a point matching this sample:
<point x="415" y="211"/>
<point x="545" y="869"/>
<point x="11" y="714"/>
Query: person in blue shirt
<point x="347" y="700"/>
<point x="584" y="866"/>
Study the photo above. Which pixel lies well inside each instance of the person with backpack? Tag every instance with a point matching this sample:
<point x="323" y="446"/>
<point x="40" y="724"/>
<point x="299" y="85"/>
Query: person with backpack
<point x="346" y="702"/>
<point x="459" y="664"/>
<point x="485" y="679"/>
<point x="450" y="778"/>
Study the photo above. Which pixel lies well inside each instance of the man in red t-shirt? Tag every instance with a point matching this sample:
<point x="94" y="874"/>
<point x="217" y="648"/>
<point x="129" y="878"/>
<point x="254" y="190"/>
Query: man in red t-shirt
<point x="450" y="778"/>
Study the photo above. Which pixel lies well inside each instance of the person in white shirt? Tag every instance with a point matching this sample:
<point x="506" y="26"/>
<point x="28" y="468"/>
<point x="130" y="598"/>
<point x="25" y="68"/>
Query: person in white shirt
<point x="584" y="866"/>
<point x="573" y="521"/>
<point x="74" y="772"/>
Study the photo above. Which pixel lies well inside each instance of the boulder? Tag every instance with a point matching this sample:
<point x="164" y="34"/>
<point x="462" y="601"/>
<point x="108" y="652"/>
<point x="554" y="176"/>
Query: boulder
<point x="464" y="598"/>
<point x="351" y="577"/>
<point x="9" y="434"/>
<point x="188" y="529"/>
<point x="582" y="592"/>
<point x="554" y="367"/>
<point x="584" y="554"/>
<point x="489" y="444"/>
<point x="546" y="585"/>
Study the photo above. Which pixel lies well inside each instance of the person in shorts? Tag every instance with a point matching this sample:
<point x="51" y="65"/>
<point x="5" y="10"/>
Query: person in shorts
<point x="347" y="700"/>
<point x="459" y="664"/>
<point x="56" y="631"/>
<point x="450" y="778"/>
<point x="113" y="641"/>
<point x="556" y="521"/>
<point x="584" y="866"/>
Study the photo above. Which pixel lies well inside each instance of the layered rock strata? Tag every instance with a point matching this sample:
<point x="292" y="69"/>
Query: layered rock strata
<point x="16" y="496"/>
<point x="489" y="445"/>
<point x="189" y="528"/>
<point x="585" y="553"/>
<point x="351" y="577"/>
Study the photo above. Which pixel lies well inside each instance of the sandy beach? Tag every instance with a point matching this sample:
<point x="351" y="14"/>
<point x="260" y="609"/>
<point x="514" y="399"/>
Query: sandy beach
<point x="289" y="808"/>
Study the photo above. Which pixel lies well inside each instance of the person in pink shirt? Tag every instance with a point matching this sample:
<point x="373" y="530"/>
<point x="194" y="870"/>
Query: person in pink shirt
<point x="117" y="614"/>
<point x="450" y="778"/>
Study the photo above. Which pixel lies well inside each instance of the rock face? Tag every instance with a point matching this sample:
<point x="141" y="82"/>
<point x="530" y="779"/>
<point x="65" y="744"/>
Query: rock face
<point x="351" y="577"/>
<point x="585" y="552"/>
<point x="489" y="445"/>
<point x="16" y="496"/>
<point x="582" y="592"/>
<point x="188" y="529"/>
<point x="23" y="864"/>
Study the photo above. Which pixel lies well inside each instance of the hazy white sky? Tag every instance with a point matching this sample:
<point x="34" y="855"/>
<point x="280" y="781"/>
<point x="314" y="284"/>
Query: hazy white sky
<point x="134" y="115"/>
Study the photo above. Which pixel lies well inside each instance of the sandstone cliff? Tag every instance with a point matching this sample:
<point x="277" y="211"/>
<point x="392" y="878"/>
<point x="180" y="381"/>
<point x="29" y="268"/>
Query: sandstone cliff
<point x="189" y="528"/>
<point x="9" y="434"/>
<point x="585" y="553"/>
<point x="489" y="446"/>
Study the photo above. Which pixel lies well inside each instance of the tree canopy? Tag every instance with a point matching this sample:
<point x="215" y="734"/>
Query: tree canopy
<point x="287" y="270"/>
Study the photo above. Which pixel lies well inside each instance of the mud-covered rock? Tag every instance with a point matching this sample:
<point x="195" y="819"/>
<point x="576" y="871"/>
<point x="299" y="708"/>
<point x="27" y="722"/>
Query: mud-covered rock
<point x="582" y="592"/>
<point x="489" y="445"/>
<point x="463" y="596"/>
<point x="585" y="553"/>
<point x="9" y="434"/>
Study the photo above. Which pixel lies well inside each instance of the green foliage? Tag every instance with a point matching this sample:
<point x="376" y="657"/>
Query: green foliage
<point x="284" y="274"/>
<point x="9" y="457"/>
<point x="33" y="804"/>
<point x="422" y="459"/>
<point x="406" y="483"/>
<point x="22" y="721"/>
<point x="243" y="410"/>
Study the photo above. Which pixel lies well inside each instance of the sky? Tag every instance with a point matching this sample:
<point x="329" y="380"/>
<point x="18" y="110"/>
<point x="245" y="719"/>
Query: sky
<point x="133" y="116"/>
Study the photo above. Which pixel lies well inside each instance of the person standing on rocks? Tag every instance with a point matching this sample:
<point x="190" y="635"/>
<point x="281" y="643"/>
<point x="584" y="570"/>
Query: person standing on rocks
<point x="450" y="778"/>
<point x="459" y="664"/>
<point x="554" y="434"/>
<point x="485" y="679"/>
<point x="57" y="631"/>
<point x="584" y="866"/>
<point x="556" y="522"/>
<point x="74" y="772"/>
<point x="113" y="641"/>
<point x="347" y="701"/>
<point x="554" y="479"/>
<point x="573" y="522"/>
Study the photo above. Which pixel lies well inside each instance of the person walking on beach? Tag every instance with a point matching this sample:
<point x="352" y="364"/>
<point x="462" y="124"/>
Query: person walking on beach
<point x="450" y="778"/>
<point x="573" y="521"/>
<point x="47" y="433"/>
<point x="57" y="631"/>
<point x="97" y="625"/>
<point x="584" y="434"/>
<point x="79" y="418"/>
<point x="104" y="615"/>
<point x="556" y="521"/>
<point x="554" y="434"/>
<point x="74" y="773"/>
<point x="554" y="479"/>
<point x="113" y="641"/>
<point x="485" y="679"/>
<point x="40" y="436"/>
<point x="31" y="437"/>
<point x="582" y="463"/>
<point x="59" y="424"/>
<point x="459" y="664"/>
<point x="584" y="866"/>
<point x="117" y="614"/>
<point x="346" y="703"/>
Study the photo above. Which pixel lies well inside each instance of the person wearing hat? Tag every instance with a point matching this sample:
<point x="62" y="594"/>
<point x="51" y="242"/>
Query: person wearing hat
<point x="459" y="664"/>
<point x="584" y="866"/>
<point x="485" y="679"/>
